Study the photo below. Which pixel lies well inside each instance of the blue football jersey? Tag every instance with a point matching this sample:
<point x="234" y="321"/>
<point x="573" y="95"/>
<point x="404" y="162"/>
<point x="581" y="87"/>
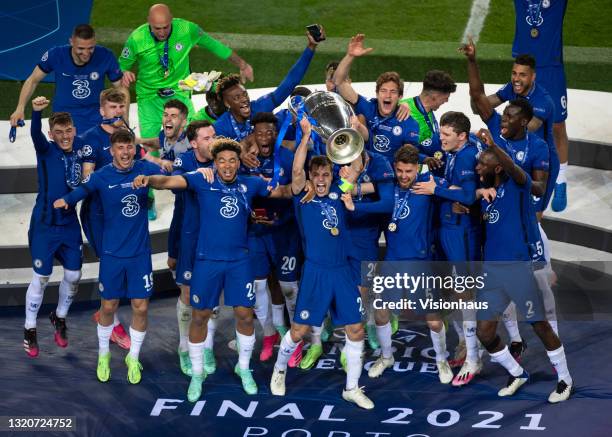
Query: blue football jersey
<point x="126" y="226"/>
<point x="58" y="173"/>
<point x="530" y="152"/>
<point x="190" y="213"/>
<point x="411" y="222"/>
<point x="460" y="171"/>
<point x="317" y="220"/>
<point x="291" y="129"/>
<point x="539" y="30"/>
<point x="542" y="104"/>
<point x="378" y="171"/>
<point x="544" y="109"/>
<point x="96" y="147"/>
<point x="509" y="223"/>
<point x="229" y="127"/>
<point x="280" y="210"/>
<point x="225" y="210"/>
<point x="387" y="134"/>
<point x="78" y="88"/>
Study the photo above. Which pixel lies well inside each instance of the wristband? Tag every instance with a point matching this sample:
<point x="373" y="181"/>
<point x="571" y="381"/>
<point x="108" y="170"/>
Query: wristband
<point x="345" y="186"/>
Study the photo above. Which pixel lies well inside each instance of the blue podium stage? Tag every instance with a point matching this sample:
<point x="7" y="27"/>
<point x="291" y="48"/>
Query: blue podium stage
<point x="409" y="399"/>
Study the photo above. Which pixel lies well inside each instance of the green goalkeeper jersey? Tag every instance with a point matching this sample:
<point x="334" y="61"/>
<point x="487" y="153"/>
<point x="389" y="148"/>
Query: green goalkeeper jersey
<point x="425" y="132"/>
<point x="154" y="73"/>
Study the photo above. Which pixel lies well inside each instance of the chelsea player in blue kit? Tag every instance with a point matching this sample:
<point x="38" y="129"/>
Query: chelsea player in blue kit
<point x="80" y="70"/>
<point x="274" y="241"/>
<point x="523" y="84"/>
<point x="200" y="134"/>
<point x="539" y="32"/>
<point x="53" y="234"/>
<point x="236" y="122"/>
<point x="459" y="234"/>
<point x="125" y="262"/>
<point x="166" y="146"/>
<point x="170" y="142"/>
<point x="96" y="155"/>
<point x="531" y="153"/>
<point x="387" y="132"/>
<point x="225" y="201"/>
<point x="327" y="281"/>
<point x="508" y="214"/>
<point x="408" y="238"/>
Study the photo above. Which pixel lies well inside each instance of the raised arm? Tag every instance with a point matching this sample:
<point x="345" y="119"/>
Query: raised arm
<point x="507" y="163"/>
<point x="246" y="71"/>
<point x="493" y="99"/>
<point x="298" y="174"/>
<point x="354" y="50"/>
<point x="26" y="92"/>
<point x="296" y="74"/>
<point x="480" y="101"/>
<point x="41" y="144"/>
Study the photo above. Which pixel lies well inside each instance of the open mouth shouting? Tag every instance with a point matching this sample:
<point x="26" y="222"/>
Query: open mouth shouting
<point x="386" y="107"/>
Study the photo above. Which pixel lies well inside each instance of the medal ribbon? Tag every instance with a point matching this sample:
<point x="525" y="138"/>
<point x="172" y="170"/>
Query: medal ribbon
<point x="73" y="177"/>
<point x="13" y="130"/>
<point x="398" y="203"/>
<point x="277" y="145"/>
<point x="112" y="121"/>
<point x="232" y="192"/>
<point x="450" y="158"/>
<point x="327" y="211"/>
<point x="316" y="139"/>
<point x="240" y="134"/>
<point x="514" y="152"/>
<point x="433" y="126"/>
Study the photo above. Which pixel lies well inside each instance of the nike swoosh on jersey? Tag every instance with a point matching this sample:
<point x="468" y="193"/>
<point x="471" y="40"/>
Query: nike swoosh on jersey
<point x="67" y="75"/>
<point x="106" y="148"/>
<point x="110" y="187"/>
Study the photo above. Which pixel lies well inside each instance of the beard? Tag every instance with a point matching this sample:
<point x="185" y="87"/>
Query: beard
<point x="488" y="180"/>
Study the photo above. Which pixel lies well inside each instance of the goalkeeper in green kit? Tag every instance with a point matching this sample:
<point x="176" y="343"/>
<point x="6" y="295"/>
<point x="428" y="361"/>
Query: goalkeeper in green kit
<point x="160" y="49"/>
